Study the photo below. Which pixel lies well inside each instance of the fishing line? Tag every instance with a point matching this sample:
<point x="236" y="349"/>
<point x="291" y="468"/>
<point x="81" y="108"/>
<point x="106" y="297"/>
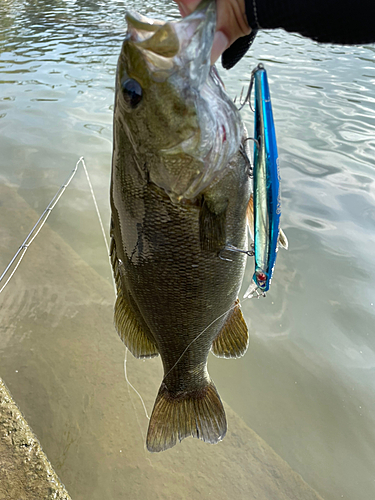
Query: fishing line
<point x="115" y="290"/>
<point x="197" y="337"/>
<point x="131" y="385"/>
<point x="202" y="332"/>
<point x="99" y="216"/>
<point x="19" y="255"/>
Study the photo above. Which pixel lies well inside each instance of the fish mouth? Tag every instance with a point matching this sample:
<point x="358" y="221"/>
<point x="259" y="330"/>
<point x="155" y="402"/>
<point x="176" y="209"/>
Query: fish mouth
<point x="153" y="35"/>
<point x="183" y="45"/>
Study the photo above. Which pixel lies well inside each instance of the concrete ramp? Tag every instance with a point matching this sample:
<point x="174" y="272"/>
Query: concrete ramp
<point x="25" y="472"/>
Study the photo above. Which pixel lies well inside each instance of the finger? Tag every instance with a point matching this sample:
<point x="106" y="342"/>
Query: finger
<point x="219" y="45"/>
<point x="182" y="10"/>
<point x="231" y="19"/>
<point x="232" y="22"/>
<point x="187" y="6"/>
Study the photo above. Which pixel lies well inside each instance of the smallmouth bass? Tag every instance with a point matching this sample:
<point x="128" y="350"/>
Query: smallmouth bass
<point x="179" y="193"/>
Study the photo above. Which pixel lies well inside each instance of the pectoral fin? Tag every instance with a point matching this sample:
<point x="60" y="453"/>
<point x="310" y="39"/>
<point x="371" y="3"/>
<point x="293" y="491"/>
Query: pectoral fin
<point x="212" y="224"/>
<point x="233" y="339"/>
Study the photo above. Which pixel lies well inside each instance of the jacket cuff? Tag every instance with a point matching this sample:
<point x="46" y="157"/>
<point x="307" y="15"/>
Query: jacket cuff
<point x="252" y="14"/>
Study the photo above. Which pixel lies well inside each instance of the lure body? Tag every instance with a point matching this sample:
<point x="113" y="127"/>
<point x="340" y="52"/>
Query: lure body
<point x="266" y="187"/>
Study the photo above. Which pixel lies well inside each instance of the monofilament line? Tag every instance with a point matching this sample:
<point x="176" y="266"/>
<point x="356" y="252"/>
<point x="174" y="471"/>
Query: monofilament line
<point x="201" y="333"/>
<point x="196" y="338"/>
<point x="131" y="385"/>
<point x="114" y="286"/>
<point x="16" y="261"/>
<point x="97" y="211"/>
<point x="19" y="255"/>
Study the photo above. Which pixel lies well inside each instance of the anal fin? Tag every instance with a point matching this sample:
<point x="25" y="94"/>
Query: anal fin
<point x="233" y="339"/>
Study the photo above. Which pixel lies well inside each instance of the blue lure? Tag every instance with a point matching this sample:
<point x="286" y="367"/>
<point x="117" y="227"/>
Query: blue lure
<point x="266" y="186"/>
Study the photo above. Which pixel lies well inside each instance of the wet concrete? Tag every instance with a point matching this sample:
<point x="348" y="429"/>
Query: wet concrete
<point x="63" y="362"/>
<point x="25" y="471"/>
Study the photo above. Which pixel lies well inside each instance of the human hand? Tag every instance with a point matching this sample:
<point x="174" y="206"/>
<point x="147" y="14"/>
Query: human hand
<point x="231" y="23"/>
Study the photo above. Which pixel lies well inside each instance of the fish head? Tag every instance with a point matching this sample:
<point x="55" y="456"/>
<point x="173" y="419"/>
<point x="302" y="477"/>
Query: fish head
<point x="171" y="106"/>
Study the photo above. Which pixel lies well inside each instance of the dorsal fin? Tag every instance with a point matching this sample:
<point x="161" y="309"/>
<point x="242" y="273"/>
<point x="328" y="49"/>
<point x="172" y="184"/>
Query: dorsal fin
<point x="233" y="339"/>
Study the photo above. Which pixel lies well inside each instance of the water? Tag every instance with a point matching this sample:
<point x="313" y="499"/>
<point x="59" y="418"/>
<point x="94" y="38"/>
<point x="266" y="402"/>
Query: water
<point x="307" y="383"/>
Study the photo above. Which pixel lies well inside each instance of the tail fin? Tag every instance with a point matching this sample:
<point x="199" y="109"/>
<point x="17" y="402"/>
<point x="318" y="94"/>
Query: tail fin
<point x="199" y="414"/>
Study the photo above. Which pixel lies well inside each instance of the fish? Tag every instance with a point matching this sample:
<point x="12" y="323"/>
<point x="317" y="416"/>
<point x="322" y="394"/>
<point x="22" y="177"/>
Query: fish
<point x="264" y="208"/>
<point x="180" y="187"/>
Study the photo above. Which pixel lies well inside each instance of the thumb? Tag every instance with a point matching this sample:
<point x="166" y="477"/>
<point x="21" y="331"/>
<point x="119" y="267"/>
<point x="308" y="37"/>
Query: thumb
<point x="220" y="43"/>
<point x="187" y="6"/>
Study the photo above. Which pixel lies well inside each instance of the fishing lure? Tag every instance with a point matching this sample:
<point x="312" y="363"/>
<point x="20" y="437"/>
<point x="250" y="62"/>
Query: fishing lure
<point x="266" y="186"/>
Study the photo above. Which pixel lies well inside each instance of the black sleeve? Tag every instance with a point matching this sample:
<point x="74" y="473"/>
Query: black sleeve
<point x="237" y="50"/>
<point x="331" y="21"/>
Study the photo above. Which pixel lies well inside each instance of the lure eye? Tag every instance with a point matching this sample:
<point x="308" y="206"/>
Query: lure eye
<point x="262" y="279"/>
<point x="132" y="92"/>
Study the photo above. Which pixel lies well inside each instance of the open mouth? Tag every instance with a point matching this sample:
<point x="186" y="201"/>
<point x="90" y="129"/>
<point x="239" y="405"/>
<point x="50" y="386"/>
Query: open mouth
<point x="188" y="41"/>
<point x="153" y="35"/>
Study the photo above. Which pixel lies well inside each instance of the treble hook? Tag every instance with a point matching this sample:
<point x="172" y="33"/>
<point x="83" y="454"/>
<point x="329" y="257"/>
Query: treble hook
<point x="248" y="95"/>
<point x="252" y="139"/>
<point x="249" y="90"/>
<point x="253" y="291"/>
<point x="232" y="248"/>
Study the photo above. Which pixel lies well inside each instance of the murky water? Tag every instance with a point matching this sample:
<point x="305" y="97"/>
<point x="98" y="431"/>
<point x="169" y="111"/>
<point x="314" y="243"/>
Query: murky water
<point x="307" y="384"/>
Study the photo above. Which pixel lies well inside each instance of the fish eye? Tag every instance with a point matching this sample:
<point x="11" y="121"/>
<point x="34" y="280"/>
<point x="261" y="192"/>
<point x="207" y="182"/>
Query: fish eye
<point x="132" y="92"/>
